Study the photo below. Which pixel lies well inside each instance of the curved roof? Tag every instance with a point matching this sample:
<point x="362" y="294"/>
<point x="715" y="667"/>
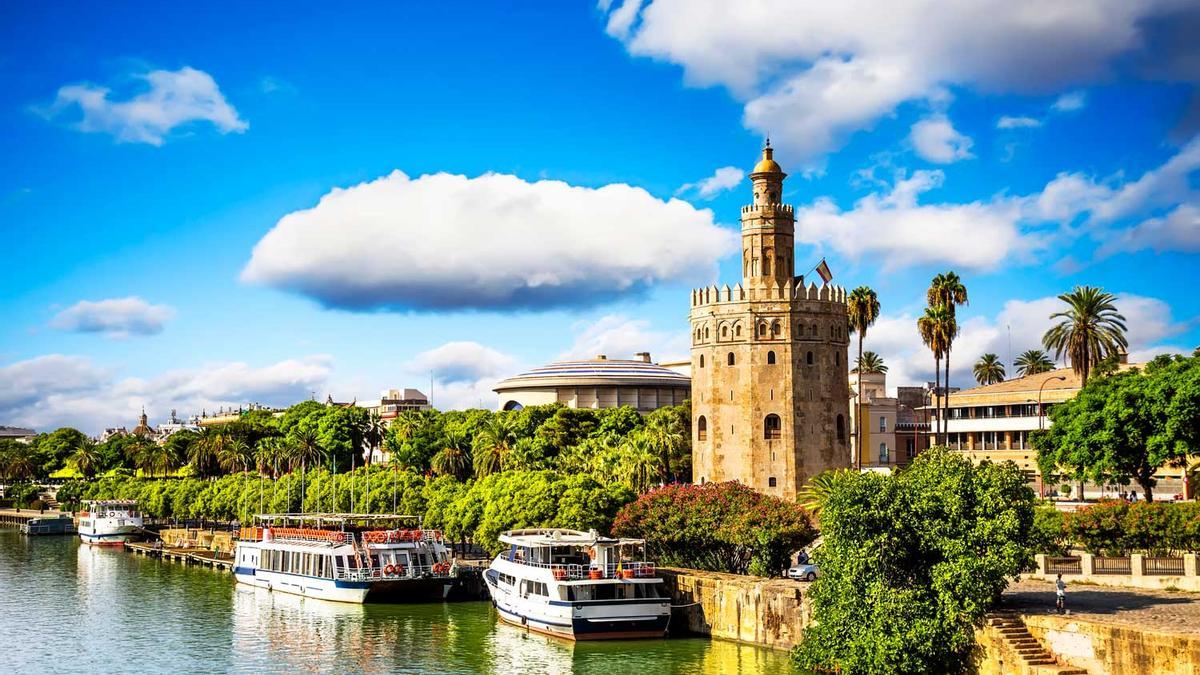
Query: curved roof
<point x="767" y="164"/>
<point x="593" y="372"/>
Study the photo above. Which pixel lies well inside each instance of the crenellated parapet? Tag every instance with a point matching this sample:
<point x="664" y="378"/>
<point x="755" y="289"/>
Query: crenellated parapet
<point x="713" y="295"/>
<point x="768" y="211"/>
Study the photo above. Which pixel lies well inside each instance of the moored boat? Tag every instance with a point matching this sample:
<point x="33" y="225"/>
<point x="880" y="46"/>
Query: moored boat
<point x="346" y="557"/>
<point x="577" y="585"/>
<point x="110" y="522"/>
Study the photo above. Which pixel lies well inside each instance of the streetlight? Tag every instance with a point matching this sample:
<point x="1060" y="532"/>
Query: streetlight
<point x="1041" y="415"/>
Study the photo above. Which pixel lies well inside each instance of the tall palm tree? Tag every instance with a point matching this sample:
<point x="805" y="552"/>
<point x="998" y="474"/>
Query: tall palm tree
<point x="493" y="442"/>
<point x="454" y="459"/>
<point x="932" y="327"/>
<point x="18" y="462"/>
<point x="1091" y="329"/>
<point x="862" y="306"/>
<point x="372" y="433"/>
<point x="86" y="458"/>
<point x="639" y="463"/>
<point x="667" y="436"/>
<point x="269" y="452"/>
<point x="306" y="449"/>
<point x="947" y="290"/>
<point x="989" y="369"/>
<point x="203" y="453"/>
<point x="869" y="363"/>
<point x="235" y="455"/>
<point x="1032" y="362"/>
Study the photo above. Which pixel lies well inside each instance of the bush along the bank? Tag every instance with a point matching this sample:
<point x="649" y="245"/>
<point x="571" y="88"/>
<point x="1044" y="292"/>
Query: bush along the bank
<point x="1120" y="528"/>
<point x="911" y="562"/>
<point x="723" y="527"/>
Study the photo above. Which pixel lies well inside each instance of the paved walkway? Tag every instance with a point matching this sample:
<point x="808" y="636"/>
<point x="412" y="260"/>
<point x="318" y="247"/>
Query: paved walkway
<point x="1164" y="611"/>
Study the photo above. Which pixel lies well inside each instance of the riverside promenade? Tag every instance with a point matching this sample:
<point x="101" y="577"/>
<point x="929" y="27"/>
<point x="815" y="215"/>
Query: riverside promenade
<point x="1162" y="611"/>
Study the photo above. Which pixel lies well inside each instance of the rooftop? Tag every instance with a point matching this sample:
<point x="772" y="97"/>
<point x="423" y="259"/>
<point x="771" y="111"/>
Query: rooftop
<point x="560" y="537"/>
<point x="598" y="371"/>
<point x="1055" y="385"/>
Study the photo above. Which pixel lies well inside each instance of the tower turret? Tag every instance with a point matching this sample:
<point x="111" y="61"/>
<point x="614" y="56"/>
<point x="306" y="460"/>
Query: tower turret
<point x="768" y="227"/>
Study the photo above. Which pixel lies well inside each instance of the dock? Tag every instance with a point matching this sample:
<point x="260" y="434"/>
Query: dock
<point x="186" y="555"/>
<point x="15" y="518"/>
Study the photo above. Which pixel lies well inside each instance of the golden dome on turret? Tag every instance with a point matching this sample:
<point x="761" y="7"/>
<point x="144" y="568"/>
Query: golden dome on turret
<point x="767" y="164"/>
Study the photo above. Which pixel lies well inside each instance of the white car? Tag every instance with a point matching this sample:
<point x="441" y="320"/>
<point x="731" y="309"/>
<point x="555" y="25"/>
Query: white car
<point x="806" y="572"/>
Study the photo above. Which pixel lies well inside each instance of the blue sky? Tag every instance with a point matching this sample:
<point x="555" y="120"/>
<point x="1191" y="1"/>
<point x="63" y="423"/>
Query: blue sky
<point x="216" y="186"/>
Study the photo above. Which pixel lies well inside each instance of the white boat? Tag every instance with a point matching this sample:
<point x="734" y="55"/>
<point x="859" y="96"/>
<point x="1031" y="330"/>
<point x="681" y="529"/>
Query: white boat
<point x="110" y="522"/>
<point x="345" y="557"/>
<point x="577" y="585"/>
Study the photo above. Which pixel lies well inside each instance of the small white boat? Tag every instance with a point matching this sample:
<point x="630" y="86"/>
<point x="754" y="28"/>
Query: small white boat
<point x="345" y="557"/>
<point x="577" y="585"/>
<point x="110" y="522"/>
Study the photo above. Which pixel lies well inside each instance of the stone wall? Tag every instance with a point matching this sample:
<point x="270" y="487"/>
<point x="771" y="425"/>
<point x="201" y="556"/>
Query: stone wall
<point x="1108" y="649"/>
<point x="767" y="612"/>
<point x="1137" y="578"/>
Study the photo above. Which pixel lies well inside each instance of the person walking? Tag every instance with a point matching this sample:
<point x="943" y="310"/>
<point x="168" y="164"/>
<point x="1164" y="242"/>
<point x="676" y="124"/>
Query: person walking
<point x="1060" y="594"/>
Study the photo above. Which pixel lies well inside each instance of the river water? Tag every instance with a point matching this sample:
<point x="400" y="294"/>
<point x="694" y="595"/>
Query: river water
<point x="71" y="608"/>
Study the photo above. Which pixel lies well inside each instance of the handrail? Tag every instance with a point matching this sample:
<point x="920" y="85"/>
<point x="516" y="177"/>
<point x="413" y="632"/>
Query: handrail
<point x="628" y="569"/>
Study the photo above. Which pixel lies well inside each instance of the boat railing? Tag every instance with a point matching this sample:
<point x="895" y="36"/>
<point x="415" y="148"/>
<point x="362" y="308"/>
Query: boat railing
<point x="401" y="536"/>
<point x="567" y="572"/>
<point x="443" y="570"/>
<point x="295" y="534"/>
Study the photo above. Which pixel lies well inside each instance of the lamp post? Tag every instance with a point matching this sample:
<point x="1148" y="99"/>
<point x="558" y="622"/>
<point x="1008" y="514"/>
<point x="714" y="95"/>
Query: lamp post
<point x="1041" y="415"/>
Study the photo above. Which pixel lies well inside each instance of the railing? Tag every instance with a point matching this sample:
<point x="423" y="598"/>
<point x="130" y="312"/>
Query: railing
<point x="572" y="572"/>
<point x="306" y="534"/>
<point x="1066" y="565"/>
<point x="401" y="536"/>
<point x="1171" y="566"/>
<point x="1111" y="565"/>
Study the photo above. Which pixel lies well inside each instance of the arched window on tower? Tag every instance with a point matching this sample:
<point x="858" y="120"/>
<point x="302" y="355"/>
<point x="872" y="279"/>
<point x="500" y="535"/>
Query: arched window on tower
<point x="762" y="330"/>
<point x="841" y="429"/>
<point x="737" y="331"/>
<point x="724" y="332"/>
<point x="701" y="360"/>
<point x="813" y="330"/>
<point x="729" y="358"/>
<point x="706" y="332"/>
<point x="767" y="265"/>
<point x="770" y="358"/>
<point x="702" y="429"/>
<point x="772" y="427"/>
<point x="809" y="358"/>
<point x="776" y="329"/>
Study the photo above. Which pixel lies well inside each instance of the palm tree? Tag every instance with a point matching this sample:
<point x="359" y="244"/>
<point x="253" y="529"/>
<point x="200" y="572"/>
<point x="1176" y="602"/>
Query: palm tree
<point x="492" y="444"/>
<point x="1032" y="362"/>
<point x="234" y="455"/>
<point x="453" y="459"/>
<point x="18" y="462"/>
<point x="306" y="449"/>
<point x="639" y="463"/>
<point x="86" y="459"/>
<point x="268" y="453"/>
<point x="863" y="309"/>
<point x="869" y="363"/>
<point x="989" y="369"/>
<point x="818" y="489"/>
<point x="932" y="328"/>
<point x="947" y="290"/>
<point x="203" y="453"/>
<point x="373" y="432"/>
<point x="668" y="437"/>
<point x="1091" y="329"/>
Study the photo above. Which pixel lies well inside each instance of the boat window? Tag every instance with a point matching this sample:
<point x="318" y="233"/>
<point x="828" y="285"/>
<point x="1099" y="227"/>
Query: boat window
<point x="535" y="588"/>
<point x="506" y="579"/>
<point x="593" y="592"/>
<point x="644" y="591"/>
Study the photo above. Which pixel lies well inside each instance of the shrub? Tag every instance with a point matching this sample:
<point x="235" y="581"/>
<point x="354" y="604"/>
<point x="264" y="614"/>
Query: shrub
<point x="1119" y="528"/>
<point x="1100" y="529"/>
<point x="1049" y="533"/>
<point x="721" y="527"/>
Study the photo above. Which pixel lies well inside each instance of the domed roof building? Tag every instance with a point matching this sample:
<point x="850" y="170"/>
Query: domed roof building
<point x="597" y="383"/>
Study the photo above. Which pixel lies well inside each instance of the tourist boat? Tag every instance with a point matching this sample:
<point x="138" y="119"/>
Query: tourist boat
<point x="110" y="522"/>
<point x="577" y="585"/>
<point x="346" y="557"/>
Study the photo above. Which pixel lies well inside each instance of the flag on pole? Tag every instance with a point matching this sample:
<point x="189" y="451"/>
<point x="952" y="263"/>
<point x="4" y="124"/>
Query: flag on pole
<point x="823" y="270"/>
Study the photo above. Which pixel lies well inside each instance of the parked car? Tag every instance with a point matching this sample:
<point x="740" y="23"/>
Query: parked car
<point x="806" y="572"/>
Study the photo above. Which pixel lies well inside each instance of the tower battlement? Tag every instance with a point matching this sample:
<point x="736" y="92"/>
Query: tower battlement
<point x="769" y="210"/>
<point x="712" y="295"/>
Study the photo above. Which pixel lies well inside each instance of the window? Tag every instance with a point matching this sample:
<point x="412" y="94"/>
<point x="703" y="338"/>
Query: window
<point x="771" y="481"/>
<point x="841" y="429"/>
<point x="762" y="330"/>
<point x="910" y="448"/>
<point x="729" y="358"/>
<point x="883" y="453"/>
<point x="701" y="429"/>
<point x="706" y="332"/>
<point x="882" y="424"/>
<point x="813" y="330"/>
<point x="776" y="329"/>
<point x="810" y="358"/>
<point x="724" y="332"/>
<point x="837" y="358"/>
<point x="767" y="265"/>
<point x="701" y="360"/>
<point x="770" y="358"/>
<point x="772" y="427"/>
<point x="737" y="330"/>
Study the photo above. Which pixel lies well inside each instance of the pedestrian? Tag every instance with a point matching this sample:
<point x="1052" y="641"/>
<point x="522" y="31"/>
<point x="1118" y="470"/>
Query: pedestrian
<point x="1060" y="594"/>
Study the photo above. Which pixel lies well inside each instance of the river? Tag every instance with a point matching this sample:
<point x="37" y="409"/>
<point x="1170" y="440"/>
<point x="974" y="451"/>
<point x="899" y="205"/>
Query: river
<point x="71" y="608"/>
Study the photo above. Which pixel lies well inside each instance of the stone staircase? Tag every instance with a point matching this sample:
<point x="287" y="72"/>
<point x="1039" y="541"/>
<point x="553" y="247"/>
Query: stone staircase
<point x="1033" y="657"/>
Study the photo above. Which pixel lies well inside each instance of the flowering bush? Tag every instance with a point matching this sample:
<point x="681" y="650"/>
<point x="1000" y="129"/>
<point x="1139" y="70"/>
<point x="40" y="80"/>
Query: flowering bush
<point x="1119" y="528"/>
<point x="722" y="527"/>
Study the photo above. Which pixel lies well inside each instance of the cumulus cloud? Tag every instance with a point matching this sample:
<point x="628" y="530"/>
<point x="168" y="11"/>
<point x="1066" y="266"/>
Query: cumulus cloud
<point x="724" y="178"/>
<point x="936" y="140"/>
<point x="115" y="317"/>
<point x="1151" y="327"/>
<point x="56" y="390"/>
<point x="1008" y="122"/>
<point x="495" y="242"/>
<point x="814" y="74"/>
<point x="462" y="362"/>
<point x="1179" y="230"/>
<point x="620" y="337"/>
<point x="173" y="98"/>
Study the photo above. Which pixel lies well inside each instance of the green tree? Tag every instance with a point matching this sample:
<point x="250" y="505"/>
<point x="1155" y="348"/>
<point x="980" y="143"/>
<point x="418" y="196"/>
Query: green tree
<point x="1032" y="362"/>
<point x="988" y="369"/>
<point x="17" y="460"/>
<point x="668" y="431"/>
<point x="493" y="443"/>
<point x="236" y="455"/>
<point x="52" y="450"/>
<point x="870" y="363"/>
<point x="948" y="292"/>
<point x="86" y="459"/>
<point x="937" y="328"/>
<point x="373" y="433"/>
<point x="455" y="458"/>
<point x="911" y="562"/>
<point x="862" y="306"/>
<point x="1090" y="331"/>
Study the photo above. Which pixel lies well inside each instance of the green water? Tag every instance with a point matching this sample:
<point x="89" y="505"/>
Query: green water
<point x="71" y="608"/>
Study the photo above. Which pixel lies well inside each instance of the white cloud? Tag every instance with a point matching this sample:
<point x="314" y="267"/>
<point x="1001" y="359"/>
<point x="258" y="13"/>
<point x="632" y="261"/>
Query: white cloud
<point x="1179" y="230"/>
<point x="894" y="337"/>
<point x="724" y="178"/>
<point x="936" y="140"/>
<point x="1009" y="122"/>
<point x="462" y="362"/>
<point x="115" y="317"/>
<point x="56" y="390"/>
<point x="1069" y="102"/>
<point x="622" y="18"/>
<point x="174" y="98"/>
<point x="621" y="337"/>
<point x="811" y="74"/>
<point x="444" y="241"/>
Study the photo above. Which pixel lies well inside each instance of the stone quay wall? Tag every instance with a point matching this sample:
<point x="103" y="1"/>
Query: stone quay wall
<point x="1109" y="649"/>
<point x="767" y="612"/>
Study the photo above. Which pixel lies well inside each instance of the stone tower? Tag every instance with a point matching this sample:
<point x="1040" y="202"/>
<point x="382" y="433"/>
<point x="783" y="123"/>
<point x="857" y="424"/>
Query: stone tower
<point x="770" y="399"/>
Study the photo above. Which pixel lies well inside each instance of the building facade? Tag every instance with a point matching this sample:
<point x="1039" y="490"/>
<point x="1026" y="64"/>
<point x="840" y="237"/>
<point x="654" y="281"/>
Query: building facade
<point x="392" y="402"/>
<point x="770" y="402"/>
<point x="596" y="383"/>
<point x="893" y="431"/>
